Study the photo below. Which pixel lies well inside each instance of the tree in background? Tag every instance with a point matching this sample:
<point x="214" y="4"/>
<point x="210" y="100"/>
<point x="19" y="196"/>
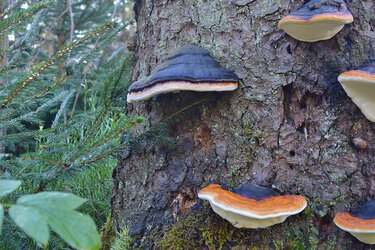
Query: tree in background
<point x="64" y="75"/>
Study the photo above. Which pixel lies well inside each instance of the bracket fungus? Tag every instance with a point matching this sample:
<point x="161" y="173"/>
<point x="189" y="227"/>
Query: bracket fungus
<point x="189" y="68"/>
<point x="359" y="143"/>
<point x="251" y="206"/>
<point x="360" y="86"/>
<point x="317" y="20"/>
<point x="360" y="223"/>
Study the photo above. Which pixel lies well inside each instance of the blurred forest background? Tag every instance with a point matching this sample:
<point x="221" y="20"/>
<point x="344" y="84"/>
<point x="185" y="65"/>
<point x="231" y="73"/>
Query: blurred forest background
<point x="64" y="73"/>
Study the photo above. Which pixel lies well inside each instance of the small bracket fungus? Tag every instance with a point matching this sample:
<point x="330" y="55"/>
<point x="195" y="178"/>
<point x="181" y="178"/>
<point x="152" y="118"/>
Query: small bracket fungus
<point x="251" y="206"/>
<point x="360" y="86"/>
<point x="317" y="20"/>
<point x="189" y="68"/>
<point x="359" y="143"/>
<point x="360" y="223"/>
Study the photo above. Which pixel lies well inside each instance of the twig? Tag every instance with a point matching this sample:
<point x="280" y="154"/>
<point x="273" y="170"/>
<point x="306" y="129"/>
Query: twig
<point x="48" y="30"/>
<point x="71" y="24"/>
<point x="114" y="11"/>
<point x="22" y="18"/>
<point x="11" y="8"/>
<point x="106" y="107"/>
<point x="54" y="85"/>
<point x="77" y="96"/>
<point x="104" y="140"/>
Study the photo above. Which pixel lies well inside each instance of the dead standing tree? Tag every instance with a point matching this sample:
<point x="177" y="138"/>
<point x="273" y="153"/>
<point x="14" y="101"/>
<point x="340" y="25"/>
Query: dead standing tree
<point x="289" y="125"/>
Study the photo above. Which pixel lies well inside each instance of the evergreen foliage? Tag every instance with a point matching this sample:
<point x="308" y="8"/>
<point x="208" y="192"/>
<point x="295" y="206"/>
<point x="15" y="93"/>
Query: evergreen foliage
<point x="63" y="76"/>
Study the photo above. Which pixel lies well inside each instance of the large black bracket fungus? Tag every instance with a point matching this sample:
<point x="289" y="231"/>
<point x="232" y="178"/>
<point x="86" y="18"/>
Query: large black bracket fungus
<point x="254" y="192"/>
<point x="189" y="68"/>
<point x="317" y="20"/>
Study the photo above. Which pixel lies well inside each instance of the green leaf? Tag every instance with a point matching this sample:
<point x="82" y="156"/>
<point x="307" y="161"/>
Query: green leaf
<point x="8" y="186"/>
<point x="52" y="200"/>
<point x="1" y="217"/>
<point x="78" y="229"/>
<point x="31" y="221"/>
<point x="57" y="210"/>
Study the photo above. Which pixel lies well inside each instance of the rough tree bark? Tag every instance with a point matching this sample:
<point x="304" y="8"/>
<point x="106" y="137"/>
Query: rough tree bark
<point x="289" y="125"/>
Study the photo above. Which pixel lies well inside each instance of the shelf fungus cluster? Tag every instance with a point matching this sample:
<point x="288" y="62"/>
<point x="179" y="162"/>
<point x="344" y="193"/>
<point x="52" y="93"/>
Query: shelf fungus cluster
<point x="251" y="206"/>
<point x="360" y="86"/>
<point x="360" y="222"/>
<point x="317" y="20"/>
<point x="190" y="68"/>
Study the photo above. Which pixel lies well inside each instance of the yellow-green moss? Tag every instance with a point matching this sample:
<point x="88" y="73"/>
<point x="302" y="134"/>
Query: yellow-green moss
<point x="122" y="241"/>
<point x="181" y="235"/>
<point x="196" y="230"/>
<point x="107" y="233"/>
<point x="215" y="234"/>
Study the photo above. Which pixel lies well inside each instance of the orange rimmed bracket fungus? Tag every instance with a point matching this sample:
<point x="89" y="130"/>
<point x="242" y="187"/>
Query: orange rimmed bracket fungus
<point x="251" y="206"/>
<point x="317" y="20"/>
<point x="189" y="68"/>
<point x="360" y="222"/>
<point x="360" y="86"/>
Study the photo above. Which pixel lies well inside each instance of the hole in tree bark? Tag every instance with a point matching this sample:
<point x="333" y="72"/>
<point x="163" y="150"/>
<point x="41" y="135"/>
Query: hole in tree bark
<point x="289" y="49"/>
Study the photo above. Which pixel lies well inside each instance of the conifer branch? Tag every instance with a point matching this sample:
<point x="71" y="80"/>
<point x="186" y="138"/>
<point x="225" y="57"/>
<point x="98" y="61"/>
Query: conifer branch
<point x="58" y="83"/>
<point x="104" y="155"/>
<point x="93" y="128"/>
<point x="11" y="8"/>
<point x="58" y="138"/>
<point x="107" y="105"/>
<point x="59" y="54"/>
<point x="48" y="30"/>
<point x="105" y="41"/>
<point x="8" y="115"/>
<point x="52" y="161"/>
<point x="29" y="134"/>
<point x="77" y="96"/>
<point x="65" y="165"/>
<point x="179" y="112"/>
<point x="106" y="139"/>
<point x="31" y="114"/>
<point x="144" y="134"/>
<point x="18" y="17"/>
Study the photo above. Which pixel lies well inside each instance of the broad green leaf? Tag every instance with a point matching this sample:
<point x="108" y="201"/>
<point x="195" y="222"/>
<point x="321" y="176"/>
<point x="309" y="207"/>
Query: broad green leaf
<point x="57" y="209"/>
<point x="79" y="230"/>
<point x="31" y="221"/>
<point x="8" y="186"/>
<point x="1" y="217"/>
<point x="52" y="200"/>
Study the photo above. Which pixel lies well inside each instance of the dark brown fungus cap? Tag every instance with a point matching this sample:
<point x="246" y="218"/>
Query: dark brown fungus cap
<point x="359" y="143"/>
<point x="189" y="68"/>
<point x="360" y="86"/>
<point x="317" y="20"/>
<point x="359" y="222"/>
<point x="251" y="206"/>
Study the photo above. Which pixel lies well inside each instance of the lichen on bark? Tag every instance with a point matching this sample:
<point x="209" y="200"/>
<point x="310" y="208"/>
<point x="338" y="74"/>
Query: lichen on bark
<point x="288" y="126"/>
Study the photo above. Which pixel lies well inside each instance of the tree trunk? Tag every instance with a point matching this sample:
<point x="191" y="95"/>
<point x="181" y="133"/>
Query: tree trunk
<point x="289" y="126"/>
